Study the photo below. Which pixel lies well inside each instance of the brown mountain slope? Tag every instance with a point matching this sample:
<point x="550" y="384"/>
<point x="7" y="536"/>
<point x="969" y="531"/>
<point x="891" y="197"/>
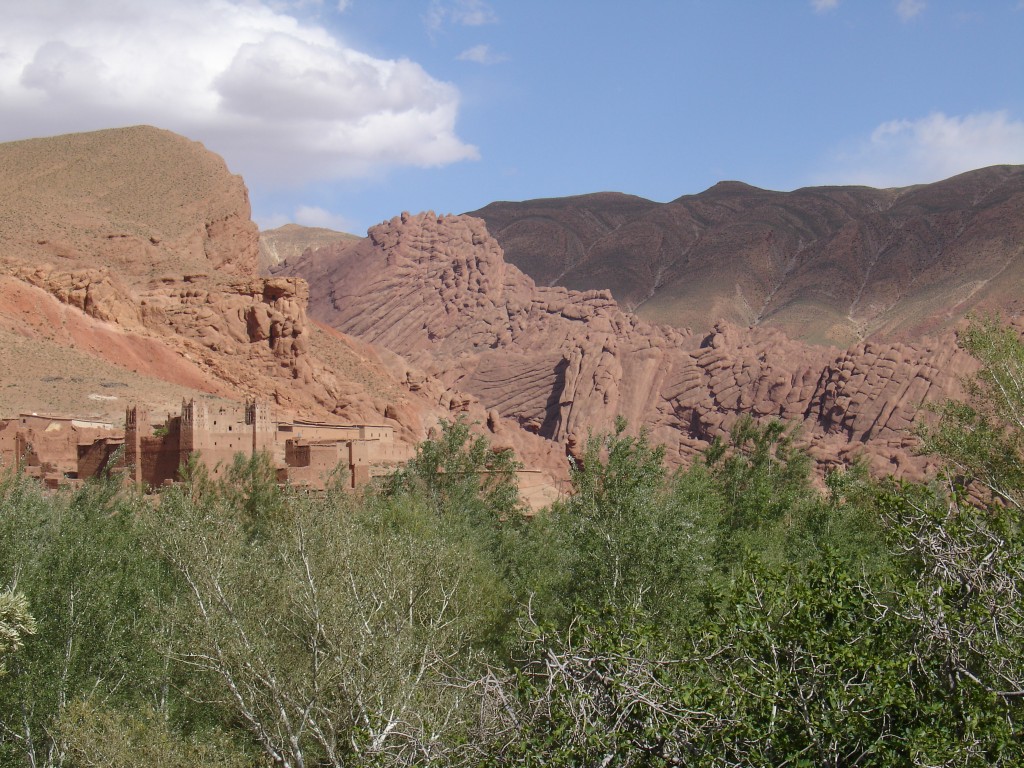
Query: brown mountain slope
<point x="290" y="240"/>
<point x="141" y="202"/>
<point x="562" y="362"/>
<point x="826" y="264"/>
<point x="128" y="273"/>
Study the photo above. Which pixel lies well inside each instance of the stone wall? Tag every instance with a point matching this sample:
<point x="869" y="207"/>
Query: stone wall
<point x="98" y="456"/>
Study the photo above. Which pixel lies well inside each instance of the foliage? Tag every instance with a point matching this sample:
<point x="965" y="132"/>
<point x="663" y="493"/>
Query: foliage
<point x="630" y="535"/>
<point x="810" y="666"/>
<point x="764" y="480"/>
<point x="461" y="475"/>
<point x="820" y="666"/>
<point x="983" y="439"/>
<point x="250" y="487"/>
<point x="90" y="734"/>
<point x="15" y="624"/>
<point x="621" y="539"/>
<point x="617" y="474"/>
<point x="603" y="691"/>
<point x="77" y="559"/>
<point x="615" y="489"/>
<point x="736" y="612"/>
<point x="330" y="637"/>
<point x="965" y="568"/>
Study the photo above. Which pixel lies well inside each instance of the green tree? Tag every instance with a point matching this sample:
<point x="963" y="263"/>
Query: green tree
<point x="16" y="623"/>
<point x="77" y="559"/>
<point x="605" y="690"/>
<point x="982" y="440"/>
<point x="461" y="475"/>
<point x="964" y="540"/>
<point x="812" y="665"/>
<point x="341" y="634"/>
<point x="90" y="733"/>
<point x="625" y="537"/>
<point x="763" y="478"/>
<point x="821" y="666"/>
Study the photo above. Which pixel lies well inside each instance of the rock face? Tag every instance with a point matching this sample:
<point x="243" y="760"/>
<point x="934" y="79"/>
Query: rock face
<point x="562" y="363"/>
<point x="128" y="273"/>
<point x="833" y="265"/>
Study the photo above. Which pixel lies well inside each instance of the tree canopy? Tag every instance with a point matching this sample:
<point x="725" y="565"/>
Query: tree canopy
<point x="739" y="611"/>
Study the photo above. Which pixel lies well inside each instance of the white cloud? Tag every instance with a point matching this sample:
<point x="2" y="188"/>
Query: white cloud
<point x="281" y="99"/>
<point x="473" y="13"/>
<point x="908" y="9"/>
<point x="314" y="216"/>
<point x="468" y="13"/>
<point x="905" y="152"/>
<point x="821" y="6"/>
<point x="307" y="216"/>
<point x="481" y="54"/>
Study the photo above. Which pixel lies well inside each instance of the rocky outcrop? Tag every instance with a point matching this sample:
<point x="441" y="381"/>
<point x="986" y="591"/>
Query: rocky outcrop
<point x="832" y="265"/>
<point x="128" y="270"/>
<point x="564" y="363"/>
<point x="94" y="291"/>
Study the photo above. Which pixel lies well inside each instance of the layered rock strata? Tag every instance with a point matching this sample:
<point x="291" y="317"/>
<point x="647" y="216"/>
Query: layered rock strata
<point x="563" y="363"/>
<point x="128" y="258"/>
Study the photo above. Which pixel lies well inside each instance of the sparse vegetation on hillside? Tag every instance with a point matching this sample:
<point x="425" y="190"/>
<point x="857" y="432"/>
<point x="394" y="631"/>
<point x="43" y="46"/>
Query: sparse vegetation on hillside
<point x="727" y="614"/>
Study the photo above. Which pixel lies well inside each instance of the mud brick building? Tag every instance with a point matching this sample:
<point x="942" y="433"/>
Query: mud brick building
<point x="305" y="453"/>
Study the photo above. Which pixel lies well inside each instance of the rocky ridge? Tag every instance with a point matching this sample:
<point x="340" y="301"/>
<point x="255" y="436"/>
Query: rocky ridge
<point x="562" y="363"/>
<point x="132" y="251"/>
<point x="832" y="265"/>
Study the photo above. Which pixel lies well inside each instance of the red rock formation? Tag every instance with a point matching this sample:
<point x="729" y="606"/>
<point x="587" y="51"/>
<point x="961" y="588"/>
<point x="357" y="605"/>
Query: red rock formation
<point x="563" y="363"/>
<point x="132" y="250"/>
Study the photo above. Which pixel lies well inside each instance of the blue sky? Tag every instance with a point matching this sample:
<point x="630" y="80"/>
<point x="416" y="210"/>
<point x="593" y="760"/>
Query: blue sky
<point x="346" y="113"/>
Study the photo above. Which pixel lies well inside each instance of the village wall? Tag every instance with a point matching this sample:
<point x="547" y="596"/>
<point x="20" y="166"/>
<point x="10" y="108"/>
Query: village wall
<point x="10" y="445"/>
<point x="98" y="456"/>
<point x="56" y="449"/>
<point x="49" y="444"/>
<point x="160" y="459"/>
<point x="380" y="452"/>
<point x="311" y="464"/>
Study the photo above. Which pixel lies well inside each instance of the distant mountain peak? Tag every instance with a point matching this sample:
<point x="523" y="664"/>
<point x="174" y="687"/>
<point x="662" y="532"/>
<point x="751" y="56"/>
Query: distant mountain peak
<point x="824" y="264"/>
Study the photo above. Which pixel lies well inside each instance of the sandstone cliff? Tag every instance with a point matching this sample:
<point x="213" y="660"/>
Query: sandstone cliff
<point x="438" y="291"/>
<point x="128" y="269"/>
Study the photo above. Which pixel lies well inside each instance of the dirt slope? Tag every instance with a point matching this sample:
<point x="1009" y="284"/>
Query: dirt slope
<point x="290" y="240"/>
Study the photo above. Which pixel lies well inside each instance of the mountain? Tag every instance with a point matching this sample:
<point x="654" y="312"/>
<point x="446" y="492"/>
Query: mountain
<point x="290" y="240"/>
<point x="565" y="363"/>
<point x="831" y="265"/>
<point x="128" y="273"/>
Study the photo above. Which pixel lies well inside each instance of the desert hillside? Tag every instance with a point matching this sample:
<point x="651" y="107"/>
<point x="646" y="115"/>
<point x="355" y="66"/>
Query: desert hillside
<point x="142" y="202"/>
<point x="563" y="363"/>
<point x="128" y="273"/>
<point x="831" y="265"/>
<point x="290" y="240"/>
